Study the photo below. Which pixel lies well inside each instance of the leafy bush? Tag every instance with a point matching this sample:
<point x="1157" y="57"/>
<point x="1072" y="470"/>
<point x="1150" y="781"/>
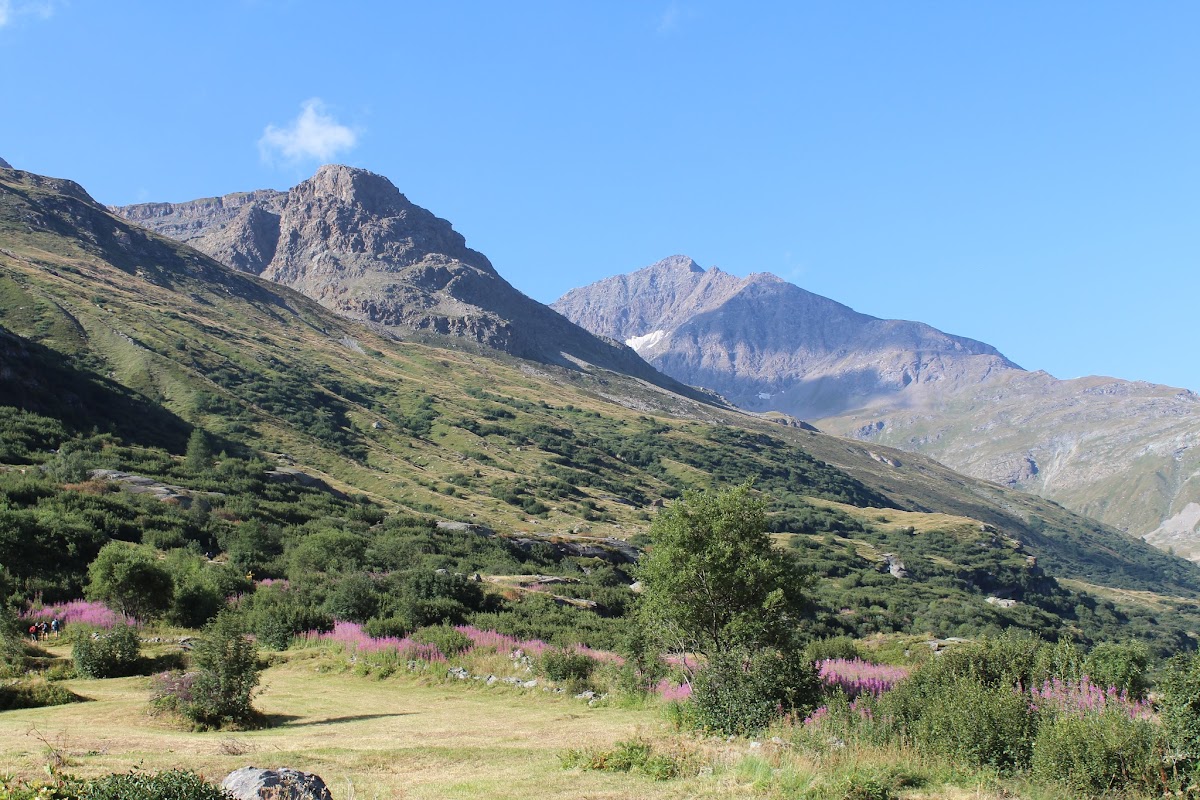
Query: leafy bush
<point x="973" y="723"/>
<point x="741" y="693"/>
<point x="445" y="638"/>
<point x="108" y="654"/>
<point x="1179" y="705"/>
<point x="627" y="756"/>
<point x="1121" y="665"/>
<point x="35" y="694"/>
<point x="1097" y="754"/>
<point x="275" y="615"/>
<point x="386" y="627"/>
<point x="170" y="785"/>
<point x="567" y="665"/>
<point x="219" y="690"/>
<point x="833" y="647"/>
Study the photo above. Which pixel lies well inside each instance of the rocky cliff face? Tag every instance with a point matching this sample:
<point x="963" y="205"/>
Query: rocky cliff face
<point x="1124" y="452"/>
<point x="769" y="345"/>
<point x="4" y="164"/>
<point x="349" y="239"/>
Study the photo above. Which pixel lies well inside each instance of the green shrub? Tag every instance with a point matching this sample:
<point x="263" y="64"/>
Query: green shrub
<point x="385" y="627"/>
<point x="1119" y="664"/>
<point x="975" y="724"/>
<point x="1097" y="754"/>
<point x="567" y="665"/>
<point x="445" y="638"/>
<point x="276" y="615"/>
<point x="107" y="654"/>
<point x="627" y="756"/>
<point x="219" y="690"/>
<point x="833" y="647"/>
<point x="34" y="694"/>
<point x="1179" y="705"/>
<point x="169" y="785"/>
<point x="742" y="693"/>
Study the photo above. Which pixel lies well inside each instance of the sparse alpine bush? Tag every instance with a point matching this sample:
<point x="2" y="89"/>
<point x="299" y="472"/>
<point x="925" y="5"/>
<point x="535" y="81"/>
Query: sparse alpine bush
<point x="111" y="654"/>
<point x="567" y="665"/>
<point x="743" y="692"/>
<point x="1098" y="753"/>
<point x="217" y="692"/>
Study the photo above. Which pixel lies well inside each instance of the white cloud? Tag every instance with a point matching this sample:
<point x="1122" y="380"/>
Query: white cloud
<point x="314" y="134"/>
<point x="10" y="10"/>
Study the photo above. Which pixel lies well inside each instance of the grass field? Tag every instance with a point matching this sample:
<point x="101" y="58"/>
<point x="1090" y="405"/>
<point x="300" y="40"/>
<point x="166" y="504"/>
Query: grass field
<point x="401" y="737"/>
<point x="419" y="737"/>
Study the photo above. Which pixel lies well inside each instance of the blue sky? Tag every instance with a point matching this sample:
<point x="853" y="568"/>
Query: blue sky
<point x="1023" y="173"/>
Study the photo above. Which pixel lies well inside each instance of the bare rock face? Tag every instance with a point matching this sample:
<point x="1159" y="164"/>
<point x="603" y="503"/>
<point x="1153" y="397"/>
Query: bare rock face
<point x="349" y="239"/>
<point x="767" y="344"/>
<point x="4" y="164"/>
<point x="252" y="783"/>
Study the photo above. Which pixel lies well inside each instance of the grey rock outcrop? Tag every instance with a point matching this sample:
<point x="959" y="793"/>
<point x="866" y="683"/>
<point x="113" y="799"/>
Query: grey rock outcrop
<point x="349" y="239"/>
<point x="767" y="344"/>
<point x="4" y="164"/>
<point x="253" y="783"/>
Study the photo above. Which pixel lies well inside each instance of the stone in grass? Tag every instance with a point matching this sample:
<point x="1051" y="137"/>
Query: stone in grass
<point x="253" y="783"/>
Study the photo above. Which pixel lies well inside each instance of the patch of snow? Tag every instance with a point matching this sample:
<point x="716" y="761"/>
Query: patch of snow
<point x="645" y="342"/>
<point x="765" y="395"/>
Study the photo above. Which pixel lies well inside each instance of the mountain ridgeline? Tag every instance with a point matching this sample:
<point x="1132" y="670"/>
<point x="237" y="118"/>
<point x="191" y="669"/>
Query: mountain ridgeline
<point x="351" y="241"/>
<point x="1123" y="452"/>
<point x="111" y="330"/>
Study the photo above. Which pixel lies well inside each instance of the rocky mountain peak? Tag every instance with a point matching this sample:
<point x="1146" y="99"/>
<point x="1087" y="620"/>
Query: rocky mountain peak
<point x="679" y="263"/>
<point x="4" y="164"/>
<point x="349" y="239"/>
<point x="353" y="186"/>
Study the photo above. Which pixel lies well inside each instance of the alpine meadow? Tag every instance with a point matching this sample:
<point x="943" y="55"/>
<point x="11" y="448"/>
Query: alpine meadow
<point x="303" y="496"/>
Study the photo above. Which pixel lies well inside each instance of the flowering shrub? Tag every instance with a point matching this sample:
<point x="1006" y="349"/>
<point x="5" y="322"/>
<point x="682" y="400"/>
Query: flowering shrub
<point x="673" y="692"/>
<point x="1081" y="697"/>
<point x="78" y="612"/>
<point x="856" y="677"/>
<point x="352" y="636"/>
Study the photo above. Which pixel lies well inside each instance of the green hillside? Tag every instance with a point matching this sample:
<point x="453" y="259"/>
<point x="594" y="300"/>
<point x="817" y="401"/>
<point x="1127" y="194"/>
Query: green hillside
<point x="118" y="343"/>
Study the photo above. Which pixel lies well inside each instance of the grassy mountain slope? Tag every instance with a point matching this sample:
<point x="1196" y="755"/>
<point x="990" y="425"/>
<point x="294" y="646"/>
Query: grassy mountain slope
<point x="465" y="433"/>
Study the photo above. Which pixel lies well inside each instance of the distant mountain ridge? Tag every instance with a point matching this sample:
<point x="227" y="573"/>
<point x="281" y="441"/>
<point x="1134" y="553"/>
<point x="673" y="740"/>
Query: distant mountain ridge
<point x="1124" y="452"/>
<point x="349" y="239"/>
<point x="767" y="344"/>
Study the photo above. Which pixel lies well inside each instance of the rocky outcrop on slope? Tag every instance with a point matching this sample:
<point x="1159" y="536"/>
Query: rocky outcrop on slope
<point x="4" y="164"/>
<point x="349" y="239"/>
<point x="767" y="344"/>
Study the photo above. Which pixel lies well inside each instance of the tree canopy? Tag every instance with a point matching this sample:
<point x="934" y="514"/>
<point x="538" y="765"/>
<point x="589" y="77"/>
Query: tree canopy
<point x="712" y="579"/>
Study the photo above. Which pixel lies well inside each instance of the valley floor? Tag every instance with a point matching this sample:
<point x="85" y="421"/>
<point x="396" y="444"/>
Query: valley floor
<point x="419" y="738"/>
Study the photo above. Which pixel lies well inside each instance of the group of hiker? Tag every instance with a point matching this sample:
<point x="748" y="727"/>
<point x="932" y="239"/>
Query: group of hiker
<point x="44" y="630"/>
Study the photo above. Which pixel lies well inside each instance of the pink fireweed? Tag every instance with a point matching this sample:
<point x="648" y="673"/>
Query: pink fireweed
<point x="1083" y="697"/>
<point x="856" y="677"/>
<point x="79" y="612"/>
<point x="668" y="690"/>
<point x="352" y="636"/>
<point x="857" y="711"/>
<point x="507" y="645"/>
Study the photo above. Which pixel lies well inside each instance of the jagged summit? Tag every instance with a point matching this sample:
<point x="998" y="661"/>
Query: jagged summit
<point x="5" y="165"/>
<point x="768" y="344"/>
<point x="679" y="262"/>
<point x="350" y="239"/>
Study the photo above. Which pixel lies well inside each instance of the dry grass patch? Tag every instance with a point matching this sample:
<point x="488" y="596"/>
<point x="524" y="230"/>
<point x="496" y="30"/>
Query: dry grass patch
<point x="403" y="737"/>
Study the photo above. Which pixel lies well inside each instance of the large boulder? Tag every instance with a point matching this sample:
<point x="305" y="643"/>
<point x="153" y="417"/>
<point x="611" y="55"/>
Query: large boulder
<point x="253" y="783"/>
